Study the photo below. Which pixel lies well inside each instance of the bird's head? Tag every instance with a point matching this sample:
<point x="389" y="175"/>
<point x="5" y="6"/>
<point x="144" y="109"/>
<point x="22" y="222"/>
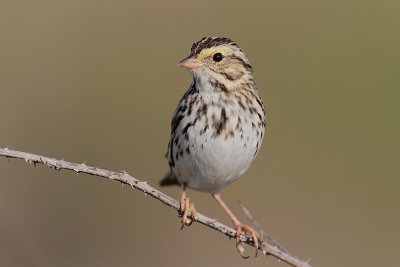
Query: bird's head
<point x="217" y="59"/>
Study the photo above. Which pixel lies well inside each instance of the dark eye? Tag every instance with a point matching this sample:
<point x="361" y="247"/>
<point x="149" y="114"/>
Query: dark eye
<point x="217" y="57"/>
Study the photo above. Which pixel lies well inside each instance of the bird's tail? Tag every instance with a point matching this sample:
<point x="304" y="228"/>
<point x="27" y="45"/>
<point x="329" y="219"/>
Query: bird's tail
<point x="169" y="179"/>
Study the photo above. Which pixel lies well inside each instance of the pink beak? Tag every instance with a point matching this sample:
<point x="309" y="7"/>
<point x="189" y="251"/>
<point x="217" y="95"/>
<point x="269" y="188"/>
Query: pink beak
<point x="190" y="63"/>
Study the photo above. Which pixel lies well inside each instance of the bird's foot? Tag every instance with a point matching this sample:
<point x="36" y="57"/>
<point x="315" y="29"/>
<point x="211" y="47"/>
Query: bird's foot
<point x="187" y="211"/>
<point x="243" y="229"/>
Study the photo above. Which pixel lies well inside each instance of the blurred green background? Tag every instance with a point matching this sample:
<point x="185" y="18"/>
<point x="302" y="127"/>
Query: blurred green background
<point x="97" y="82"/>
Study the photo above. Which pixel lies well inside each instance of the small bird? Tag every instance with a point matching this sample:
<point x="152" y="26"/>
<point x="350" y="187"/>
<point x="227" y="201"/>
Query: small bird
<point x="217" y="128"/>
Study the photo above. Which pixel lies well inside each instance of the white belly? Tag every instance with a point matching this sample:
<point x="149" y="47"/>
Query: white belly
<point x="211" y="162"/>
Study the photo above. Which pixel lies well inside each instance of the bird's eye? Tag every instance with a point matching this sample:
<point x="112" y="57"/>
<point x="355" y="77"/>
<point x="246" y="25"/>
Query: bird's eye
<point x="217" y="57"/>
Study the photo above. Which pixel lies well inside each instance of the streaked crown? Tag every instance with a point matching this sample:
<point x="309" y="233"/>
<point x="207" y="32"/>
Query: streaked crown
<point x="209" y="42"/>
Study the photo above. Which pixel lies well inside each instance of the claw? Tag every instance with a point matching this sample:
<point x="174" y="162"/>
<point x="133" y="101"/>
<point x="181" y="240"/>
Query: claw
<point x="242" y="228"/>
<point x="240" y="248"/>
<point x="188" y="211"/>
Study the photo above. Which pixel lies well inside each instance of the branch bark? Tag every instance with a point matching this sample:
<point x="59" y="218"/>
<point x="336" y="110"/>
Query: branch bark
<point x="125" y="178"/>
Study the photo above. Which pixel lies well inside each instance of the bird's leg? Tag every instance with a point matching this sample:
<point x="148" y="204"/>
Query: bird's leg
<point x="240" y="228"/>
<point x="185" y="208"/>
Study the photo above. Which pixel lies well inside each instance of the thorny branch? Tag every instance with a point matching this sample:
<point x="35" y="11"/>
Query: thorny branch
<point x="123" y="177"/>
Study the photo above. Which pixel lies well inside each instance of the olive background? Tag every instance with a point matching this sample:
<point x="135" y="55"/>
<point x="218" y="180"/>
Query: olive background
<point x="97" y="82"/>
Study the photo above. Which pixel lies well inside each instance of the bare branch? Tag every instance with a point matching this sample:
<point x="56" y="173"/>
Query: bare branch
<point x="125" y="178"/>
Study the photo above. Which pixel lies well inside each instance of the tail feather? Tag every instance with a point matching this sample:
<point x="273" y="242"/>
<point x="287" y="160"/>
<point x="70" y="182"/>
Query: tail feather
<point x="169" y="179"/>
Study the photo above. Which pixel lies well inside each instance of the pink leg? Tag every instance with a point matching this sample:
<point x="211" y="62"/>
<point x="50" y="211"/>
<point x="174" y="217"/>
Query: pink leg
<point x="240" y="228"/>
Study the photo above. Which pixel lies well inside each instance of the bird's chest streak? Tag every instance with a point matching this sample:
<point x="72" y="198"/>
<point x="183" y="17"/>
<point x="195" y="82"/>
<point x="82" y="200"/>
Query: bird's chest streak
<point x="216" y="148"/>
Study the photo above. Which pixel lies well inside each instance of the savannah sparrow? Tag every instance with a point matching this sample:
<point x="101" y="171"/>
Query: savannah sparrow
<point x="218" y="126"/>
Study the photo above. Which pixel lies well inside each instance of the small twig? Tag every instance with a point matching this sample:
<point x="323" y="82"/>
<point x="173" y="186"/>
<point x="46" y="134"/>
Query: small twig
<point x="262" y="232"/>
<point x="125" y="178"/>
<point x="254" y="222"/>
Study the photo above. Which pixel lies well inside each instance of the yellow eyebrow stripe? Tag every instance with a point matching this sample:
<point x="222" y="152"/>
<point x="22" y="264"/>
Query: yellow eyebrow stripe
<point x="210" y="51"/>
